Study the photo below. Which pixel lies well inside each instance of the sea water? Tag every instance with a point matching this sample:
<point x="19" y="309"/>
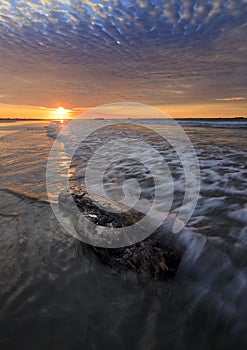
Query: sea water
<point x="54" y="293"/>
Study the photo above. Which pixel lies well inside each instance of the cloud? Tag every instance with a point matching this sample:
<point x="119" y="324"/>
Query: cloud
<point x="89" y="53"/>
<point x="231" y="99"/>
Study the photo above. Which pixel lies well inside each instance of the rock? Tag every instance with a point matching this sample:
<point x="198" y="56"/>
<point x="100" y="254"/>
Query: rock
<point x="150" y="258"/>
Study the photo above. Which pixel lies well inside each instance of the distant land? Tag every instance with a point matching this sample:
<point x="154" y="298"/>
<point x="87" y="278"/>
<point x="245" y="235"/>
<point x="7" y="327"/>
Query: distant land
<point x="67" y="119"/>
<point x="34" y="119"/>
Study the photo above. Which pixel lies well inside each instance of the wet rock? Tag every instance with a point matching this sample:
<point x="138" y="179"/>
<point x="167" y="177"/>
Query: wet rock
<point x="150" y="258"/>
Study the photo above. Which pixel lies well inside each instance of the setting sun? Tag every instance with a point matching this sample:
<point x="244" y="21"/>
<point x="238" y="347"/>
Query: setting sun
<point x="62" y="111"/>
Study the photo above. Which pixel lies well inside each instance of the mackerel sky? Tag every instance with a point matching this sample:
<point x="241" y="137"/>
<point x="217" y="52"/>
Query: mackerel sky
<point x="86" y="53"/>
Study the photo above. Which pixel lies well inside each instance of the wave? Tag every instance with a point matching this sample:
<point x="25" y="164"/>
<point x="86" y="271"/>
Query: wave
<point x="24" y="196"/>
<point x="52" y="130"/>
<point x="233" y="124"/>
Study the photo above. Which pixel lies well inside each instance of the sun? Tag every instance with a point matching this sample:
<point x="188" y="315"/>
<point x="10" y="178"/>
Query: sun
<point x="62" y="111"/>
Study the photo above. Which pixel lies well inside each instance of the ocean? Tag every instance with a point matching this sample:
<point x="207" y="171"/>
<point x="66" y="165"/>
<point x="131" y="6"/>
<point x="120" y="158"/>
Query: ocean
<point x="55" y="294"/>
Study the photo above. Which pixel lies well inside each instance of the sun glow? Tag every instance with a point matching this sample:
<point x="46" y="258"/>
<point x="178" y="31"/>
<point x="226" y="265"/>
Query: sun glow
<point x="62" y="111"/>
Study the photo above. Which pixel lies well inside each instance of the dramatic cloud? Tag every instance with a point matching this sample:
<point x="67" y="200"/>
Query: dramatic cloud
<point x="89" y="52"/>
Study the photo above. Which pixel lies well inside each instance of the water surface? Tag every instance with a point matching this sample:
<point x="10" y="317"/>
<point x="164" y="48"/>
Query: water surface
<point x="56" y="294"/>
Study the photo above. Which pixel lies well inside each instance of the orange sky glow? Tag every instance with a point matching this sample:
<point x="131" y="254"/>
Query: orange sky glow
<point x="217" y="109"/>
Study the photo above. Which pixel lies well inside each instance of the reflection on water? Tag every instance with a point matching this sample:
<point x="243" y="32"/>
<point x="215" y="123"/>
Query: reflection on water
<point x="56" y="294"/>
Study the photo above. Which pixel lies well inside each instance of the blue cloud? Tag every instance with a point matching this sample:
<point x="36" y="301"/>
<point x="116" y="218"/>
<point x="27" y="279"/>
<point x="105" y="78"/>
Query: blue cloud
<point x="101" y="51"/>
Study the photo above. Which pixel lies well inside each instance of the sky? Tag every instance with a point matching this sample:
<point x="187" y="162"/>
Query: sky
<point x="185" y="57"/>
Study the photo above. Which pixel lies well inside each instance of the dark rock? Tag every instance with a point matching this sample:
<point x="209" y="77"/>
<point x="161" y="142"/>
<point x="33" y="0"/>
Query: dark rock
<point x="150" y="258"/>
